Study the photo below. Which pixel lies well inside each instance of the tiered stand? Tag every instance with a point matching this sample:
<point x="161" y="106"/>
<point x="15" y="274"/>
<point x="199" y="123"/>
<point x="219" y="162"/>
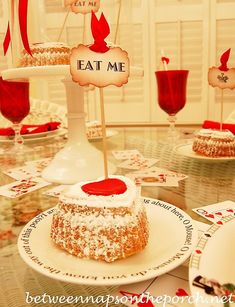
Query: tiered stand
<point x="78" y="160"/>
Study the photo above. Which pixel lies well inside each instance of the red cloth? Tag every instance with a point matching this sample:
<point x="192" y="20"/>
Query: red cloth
<point x="100" y="30"/>
<point x="28" y="129"/>
<point x="216" y="125"/>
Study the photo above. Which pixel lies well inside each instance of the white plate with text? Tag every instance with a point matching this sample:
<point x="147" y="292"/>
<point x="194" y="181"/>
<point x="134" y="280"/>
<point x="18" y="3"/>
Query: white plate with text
<point x="173" y="236"/>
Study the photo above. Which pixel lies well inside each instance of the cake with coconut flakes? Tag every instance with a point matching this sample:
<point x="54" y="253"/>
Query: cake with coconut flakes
<point x="43" y="54"/>
<point x="214" y="143"/>
<point x="101" y="220"/>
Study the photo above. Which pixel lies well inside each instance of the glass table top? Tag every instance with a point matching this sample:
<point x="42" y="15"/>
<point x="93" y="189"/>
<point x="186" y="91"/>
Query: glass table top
<point x="208" y="182"/>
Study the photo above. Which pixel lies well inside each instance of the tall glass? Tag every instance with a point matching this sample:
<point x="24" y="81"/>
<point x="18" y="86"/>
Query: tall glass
<point x="172" y="85"/>
<point x="15" y="106"/>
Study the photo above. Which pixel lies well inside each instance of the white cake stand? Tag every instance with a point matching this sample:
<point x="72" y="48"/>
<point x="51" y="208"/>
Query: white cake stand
<point x="78" y="160"/>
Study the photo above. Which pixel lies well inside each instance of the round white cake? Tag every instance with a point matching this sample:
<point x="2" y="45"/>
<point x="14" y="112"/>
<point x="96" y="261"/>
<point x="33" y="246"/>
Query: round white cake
<point x="214" y="143"/>
<point x="108" y="227"/>
<point x="50" y="53"/>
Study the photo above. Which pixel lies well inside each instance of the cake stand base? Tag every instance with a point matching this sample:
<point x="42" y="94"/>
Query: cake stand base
<point x="74" y="163"/>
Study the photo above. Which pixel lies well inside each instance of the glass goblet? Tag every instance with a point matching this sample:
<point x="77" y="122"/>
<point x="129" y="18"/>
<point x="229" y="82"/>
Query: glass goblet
<point x="172" y="85"/>
<point x="15" y="106"/>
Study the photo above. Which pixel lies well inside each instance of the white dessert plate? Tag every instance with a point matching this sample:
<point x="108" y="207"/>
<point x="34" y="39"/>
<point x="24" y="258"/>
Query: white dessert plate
<point x="186" y="150"/>
<point x="173" y="236"/>
<point x="213" y="261"/>
<point x="36" y="136"/>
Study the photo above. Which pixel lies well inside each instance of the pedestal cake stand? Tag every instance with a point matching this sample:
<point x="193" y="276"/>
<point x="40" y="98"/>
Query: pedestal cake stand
<point x="78" y="160"/>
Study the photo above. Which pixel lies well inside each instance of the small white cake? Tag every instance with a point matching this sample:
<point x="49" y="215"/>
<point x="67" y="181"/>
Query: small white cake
<point x="214" y="143"/>
<point x="102" y="220"/>
<point x="50" y="53"/>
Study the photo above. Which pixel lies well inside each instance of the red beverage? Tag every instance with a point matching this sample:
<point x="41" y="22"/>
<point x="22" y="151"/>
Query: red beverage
<point x="172" y="90"/>
<point x="14" y="100"/>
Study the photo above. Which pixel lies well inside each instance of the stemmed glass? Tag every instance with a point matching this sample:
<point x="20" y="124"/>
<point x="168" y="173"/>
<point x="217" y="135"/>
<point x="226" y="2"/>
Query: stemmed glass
<point x="15" y="106"/>
<point x="172" y="95"/>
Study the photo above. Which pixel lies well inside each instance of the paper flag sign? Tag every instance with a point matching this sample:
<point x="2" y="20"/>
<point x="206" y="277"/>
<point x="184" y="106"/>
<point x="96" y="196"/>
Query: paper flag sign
<point x="99" y="64"/>
<point x="222" y="77"/>
<point x="100" y="69"/>
<point x="85" y="6"/>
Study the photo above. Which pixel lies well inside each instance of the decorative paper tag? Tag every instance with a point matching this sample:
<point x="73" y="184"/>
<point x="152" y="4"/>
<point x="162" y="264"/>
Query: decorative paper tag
<point x="100" y="69"/>
<point x="99" y="64"/>
<point x="222" y="77"/>
<point x="85" y="6"/>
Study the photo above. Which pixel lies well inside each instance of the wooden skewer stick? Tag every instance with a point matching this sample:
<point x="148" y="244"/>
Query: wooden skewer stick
<point x="84" y="29"/>
<point x="118" y="22"/>
<point x="63" y="25"/>
<point x="221" y="109"/>
<point x="103" y="132"/>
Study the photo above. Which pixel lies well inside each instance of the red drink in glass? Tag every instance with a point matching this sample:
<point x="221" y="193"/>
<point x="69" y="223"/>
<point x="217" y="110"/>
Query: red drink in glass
<point x="14" y="100"/>
<point x="172" y="90"/>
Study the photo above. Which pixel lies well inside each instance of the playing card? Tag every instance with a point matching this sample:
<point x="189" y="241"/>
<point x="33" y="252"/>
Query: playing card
<point x="126" y="154"/>
<point x="23" y="172"/>
<point x="150" y="293"/>
<point x="173" y="284"/>
<point x="153" y="171"/>
<point x="216" y="212"/>
<point x="22" y="187"/>
<point x="138" y="163"/>
<point x="39" y="164"/>
<point x="154" y="180"/>
<point x="55" y="192"/>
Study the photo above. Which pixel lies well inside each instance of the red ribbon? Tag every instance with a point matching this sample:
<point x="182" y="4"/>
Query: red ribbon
<point x="224" y="59"/>
<point x="22" y="13"/>
<point x="100" y="30"/>
<point x="7" y="40"/>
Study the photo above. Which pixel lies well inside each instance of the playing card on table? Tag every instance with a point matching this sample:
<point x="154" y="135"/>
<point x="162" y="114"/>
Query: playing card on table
<point x="22" y="187"/>
<point x="155" y="171"/>
<point x="56" y="192"/>
<point x="39" y="164"/>
<point x="126" y="154"/>
<point x="138" y="163"/>
<point x="154" y="180"/>
<point x="173" y="284"/>
<point x="216" y="212"/>
<point x="23" y="172"/>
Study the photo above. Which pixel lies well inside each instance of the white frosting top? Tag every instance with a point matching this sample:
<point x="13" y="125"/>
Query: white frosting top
<point x="216" y="133"/>
<point x="48" y="45"/>
<point x="93" y="123"/>
<point x="205" y="132"/>
<point x="222" y="134"/>
<point x="75" y="195"/>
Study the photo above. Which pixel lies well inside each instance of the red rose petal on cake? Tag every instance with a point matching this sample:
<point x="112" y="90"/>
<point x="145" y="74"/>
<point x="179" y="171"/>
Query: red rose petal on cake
<point x="105" y="187"/>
